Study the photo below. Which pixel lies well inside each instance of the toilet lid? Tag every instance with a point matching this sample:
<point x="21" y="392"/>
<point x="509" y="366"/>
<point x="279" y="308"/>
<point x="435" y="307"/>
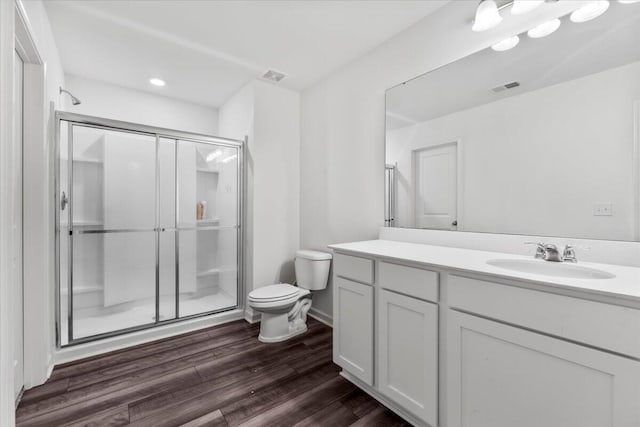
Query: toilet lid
<point x="271" y="292"/>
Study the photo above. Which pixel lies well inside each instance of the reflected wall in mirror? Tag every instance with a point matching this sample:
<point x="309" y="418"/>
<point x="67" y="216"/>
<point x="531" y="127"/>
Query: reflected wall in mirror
<point x="541" y="139"/>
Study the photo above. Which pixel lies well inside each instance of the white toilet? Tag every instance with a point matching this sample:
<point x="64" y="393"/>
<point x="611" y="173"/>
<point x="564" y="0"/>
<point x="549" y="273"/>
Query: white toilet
<point x="284" y="307"/>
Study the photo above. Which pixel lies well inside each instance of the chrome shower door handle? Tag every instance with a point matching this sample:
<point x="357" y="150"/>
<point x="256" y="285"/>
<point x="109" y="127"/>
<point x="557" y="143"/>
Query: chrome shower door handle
<point x="64" y="201"/>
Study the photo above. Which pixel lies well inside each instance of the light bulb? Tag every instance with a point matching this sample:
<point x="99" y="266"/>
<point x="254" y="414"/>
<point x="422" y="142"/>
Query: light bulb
<point x="589" y="11"/>
<point x="157" y="82"/>
<point x="506" y="44"/>
<point x="520" y="7"/>
<point x="544" y="29"/>
<point x="487" y="16"/>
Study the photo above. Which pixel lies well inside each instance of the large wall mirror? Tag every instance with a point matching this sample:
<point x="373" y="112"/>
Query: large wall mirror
<point x="541" y="139"/>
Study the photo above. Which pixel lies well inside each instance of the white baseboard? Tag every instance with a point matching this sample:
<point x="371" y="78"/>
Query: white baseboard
<point x="321" y="316"/>
<point x="81" y="351"/>
<point x="251" y="316"/>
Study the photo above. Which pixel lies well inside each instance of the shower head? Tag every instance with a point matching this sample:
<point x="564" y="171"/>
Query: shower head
<point x="74" y="100"/>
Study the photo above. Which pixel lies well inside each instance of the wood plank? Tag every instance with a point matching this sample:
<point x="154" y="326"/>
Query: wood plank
<point x="334" y="415"/>
<point x="212" y="419"/>
<point x="118" y="416"/>
<point x="63" y="413"/>
<point x="302" y="406"/>
<point x="381" y="417"/>
<point x="269" y="397"/>
<point x="219" y="376"/>
<point x="185" y="410"/>
<point x="45" y="391"/>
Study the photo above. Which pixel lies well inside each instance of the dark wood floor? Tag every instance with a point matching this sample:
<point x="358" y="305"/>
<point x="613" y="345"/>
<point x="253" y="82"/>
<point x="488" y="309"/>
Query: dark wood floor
<point x="221" y="376"/>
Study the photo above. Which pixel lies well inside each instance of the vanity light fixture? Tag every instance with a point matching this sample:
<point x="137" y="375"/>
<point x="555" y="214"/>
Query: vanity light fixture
<point x="544" y="29"/>
<point x="506" y="44"/>
<point x="520" y="7"/>
<point x="629" y="1"/>
<point x="589" y="11"/>
<point x="157" y="82"/>
<point x="487" y="16"/>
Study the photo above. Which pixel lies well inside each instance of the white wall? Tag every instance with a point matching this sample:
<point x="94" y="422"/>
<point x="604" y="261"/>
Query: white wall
<point x="115" y="102"/>
<point x="537" y="163"/>
<point x="269" y="116"/>
<point x="343" y="116"/>
<point x="39" y="237"/>
<point x="43" y="74"/>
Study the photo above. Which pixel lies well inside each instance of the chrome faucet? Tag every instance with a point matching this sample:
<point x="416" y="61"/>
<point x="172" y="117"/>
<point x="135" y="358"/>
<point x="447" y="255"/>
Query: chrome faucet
<point x="569" y="254"/>
<point x="548" y="252"/>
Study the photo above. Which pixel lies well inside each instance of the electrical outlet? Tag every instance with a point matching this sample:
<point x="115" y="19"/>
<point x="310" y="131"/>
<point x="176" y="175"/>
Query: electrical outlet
<point x="603" y="209"/>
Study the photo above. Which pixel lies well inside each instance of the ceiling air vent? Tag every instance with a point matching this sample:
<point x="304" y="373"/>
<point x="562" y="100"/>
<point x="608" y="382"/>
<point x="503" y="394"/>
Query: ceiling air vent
<point x="273" y="76"/>
<point x="504" y="87"/>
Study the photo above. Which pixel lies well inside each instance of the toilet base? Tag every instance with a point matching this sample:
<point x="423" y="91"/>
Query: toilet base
<point x="272" y="339"/>
<point x="276" y="327"/>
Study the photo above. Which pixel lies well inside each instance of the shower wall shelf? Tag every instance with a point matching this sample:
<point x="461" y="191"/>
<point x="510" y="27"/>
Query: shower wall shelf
<point x="88" y="160"/>
<point x="207" y="222"/>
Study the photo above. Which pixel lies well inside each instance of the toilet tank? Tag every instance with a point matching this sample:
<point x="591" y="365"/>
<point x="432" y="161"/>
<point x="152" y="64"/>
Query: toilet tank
<point x="312" y="269"/>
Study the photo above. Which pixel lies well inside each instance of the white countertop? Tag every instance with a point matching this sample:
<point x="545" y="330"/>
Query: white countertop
<point x="625" y="284"/>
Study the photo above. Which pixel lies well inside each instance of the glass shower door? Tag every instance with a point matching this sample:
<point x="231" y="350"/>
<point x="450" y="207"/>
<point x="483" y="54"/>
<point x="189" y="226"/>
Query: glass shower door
<point x="148" y="227"/>
<point x="208" y="227"/>
<point x="111" y="276"/>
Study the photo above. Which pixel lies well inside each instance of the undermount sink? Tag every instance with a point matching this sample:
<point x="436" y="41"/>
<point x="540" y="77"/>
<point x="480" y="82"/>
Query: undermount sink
<point x="553" y="269"/>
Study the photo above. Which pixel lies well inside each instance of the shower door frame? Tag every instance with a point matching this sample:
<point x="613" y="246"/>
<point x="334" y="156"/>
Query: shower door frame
<point x="157" y="133"/>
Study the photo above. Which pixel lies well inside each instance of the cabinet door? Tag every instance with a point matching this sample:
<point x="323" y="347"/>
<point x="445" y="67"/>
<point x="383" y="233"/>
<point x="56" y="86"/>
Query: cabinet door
<point x="353" y="328"/>
<point x="408" y="353"/>
<point x="503" y="376"/>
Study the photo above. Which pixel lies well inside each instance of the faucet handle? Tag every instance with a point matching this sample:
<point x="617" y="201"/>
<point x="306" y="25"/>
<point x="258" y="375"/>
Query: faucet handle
<point x="569" y="254"/>
<point x="541" y="249"/>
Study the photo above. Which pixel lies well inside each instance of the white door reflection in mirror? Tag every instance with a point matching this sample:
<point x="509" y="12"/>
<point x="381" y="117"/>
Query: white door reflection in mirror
<point x="436" y="170"/>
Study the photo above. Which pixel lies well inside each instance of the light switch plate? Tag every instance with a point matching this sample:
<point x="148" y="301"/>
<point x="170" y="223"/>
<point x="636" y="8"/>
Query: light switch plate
<point x="603" y="209"/>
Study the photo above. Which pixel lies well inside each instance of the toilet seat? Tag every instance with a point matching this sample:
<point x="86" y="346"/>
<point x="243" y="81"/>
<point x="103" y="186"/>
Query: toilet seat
<point x="274" y="293"/>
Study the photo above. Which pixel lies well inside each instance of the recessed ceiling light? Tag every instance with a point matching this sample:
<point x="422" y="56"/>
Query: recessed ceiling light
<point x="487" y="16"/>
<point x="520" y="7"/>
<point x="157" y="82"/>
<point x="506" y="44"/>
<point x="544" y="30"/>
<point x="589" y="11"/>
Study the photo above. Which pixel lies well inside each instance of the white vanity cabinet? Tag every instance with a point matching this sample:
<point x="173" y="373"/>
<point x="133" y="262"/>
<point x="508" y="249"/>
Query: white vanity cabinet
<point x="407" y="338"/>
<point x="443" y="340"/>
<point x="504" y="376"/>
<point x="539" y="361"/>
<point x="353" y="316"/>
<point x="403" y="367"/>
<point x="408" y="353"/>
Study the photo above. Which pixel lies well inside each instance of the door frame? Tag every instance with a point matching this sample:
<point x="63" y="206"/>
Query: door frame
<point x="16" y="34"/>
<point x="459" y="179"/>
<point x="37" y="208"/>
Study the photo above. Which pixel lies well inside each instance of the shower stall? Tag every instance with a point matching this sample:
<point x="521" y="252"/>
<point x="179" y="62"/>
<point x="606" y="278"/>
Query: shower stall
<point x="148" y="226"/>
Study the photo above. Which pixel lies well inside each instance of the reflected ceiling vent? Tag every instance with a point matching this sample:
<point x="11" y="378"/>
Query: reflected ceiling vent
<point x="502" y="88"/>
<point x="273" y="76"/>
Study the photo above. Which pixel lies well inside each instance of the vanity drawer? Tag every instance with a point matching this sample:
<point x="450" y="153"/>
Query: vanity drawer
<point x="606" y="326"/>
<point x="353" y="267"/>
<point x="410" y="281"/>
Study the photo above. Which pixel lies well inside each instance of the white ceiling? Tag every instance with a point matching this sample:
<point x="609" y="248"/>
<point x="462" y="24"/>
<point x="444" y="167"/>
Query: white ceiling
<point x="207" y="50"/>
<point x="575" y="50"/>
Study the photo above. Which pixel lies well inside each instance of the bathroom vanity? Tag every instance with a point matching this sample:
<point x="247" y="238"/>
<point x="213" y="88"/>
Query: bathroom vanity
<point x="459" y="337"/>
